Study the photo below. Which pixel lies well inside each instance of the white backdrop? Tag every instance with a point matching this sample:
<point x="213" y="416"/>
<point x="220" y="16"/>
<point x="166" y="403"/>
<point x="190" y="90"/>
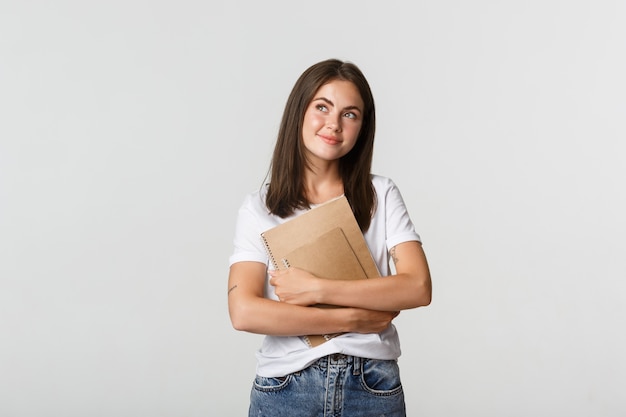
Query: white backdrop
<point x="130" y="132"/>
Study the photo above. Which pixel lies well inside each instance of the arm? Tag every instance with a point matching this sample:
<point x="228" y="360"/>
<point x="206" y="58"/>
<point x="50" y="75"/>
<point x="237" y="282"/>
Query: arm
<point x="410" y="287"/>
<point x="250" y="311"/>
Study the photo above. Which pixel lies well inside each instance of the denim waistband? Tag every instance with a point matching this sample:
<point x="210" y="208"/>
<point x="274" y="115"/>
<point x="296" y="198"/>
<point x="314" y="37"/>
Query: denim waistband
<point x="339" y="360"/>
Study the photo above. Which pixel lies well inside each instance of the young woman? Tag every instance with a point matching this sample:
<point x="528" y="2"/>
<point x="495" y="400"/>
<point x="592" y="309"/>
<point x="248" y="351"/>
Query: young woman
<point x="323" y="151"/>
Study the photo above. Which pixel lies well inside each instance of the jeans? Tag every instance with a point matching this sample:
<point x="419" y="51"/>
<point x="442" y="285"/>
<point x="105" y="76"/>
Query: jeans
<point x="333" y="386"/>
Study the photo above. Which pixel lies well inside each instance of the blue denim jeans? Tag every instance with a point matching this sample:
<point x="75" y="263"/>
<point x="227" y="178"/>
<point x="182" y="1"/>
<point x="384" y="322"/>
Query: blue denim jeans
<point x="333" y="386"/>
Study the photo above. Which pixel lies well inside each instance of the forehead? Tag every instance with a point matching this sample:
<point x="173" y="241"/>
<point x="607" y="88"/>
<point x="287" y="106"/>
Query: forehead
<point x="341" y="93"/>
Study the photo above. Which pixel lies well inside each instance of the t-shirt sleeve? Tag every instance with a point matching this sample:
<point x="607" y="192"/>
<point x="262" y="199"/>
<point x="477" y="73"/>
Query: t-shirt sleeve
<point x="247" y="242"/>
<point x="400" y="228"/>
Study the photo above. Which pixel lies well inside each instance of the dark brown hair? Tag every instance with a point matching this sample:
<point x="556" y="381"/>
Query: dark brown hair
<point x="286" y="188"/>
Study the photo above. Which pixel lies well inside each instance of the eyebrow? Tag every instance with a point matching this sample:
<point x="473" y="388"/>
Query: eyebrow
<point x="333" y="104"/>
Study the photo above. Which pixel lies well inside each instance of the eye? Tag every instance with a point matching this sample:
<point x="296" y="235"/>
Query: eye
<point x="350" y="115"/>
<point x="321" y="107"/>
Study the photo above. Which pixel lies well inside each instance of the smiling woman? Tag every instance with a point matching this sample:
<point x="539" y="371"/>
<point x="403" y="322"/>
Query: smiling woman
<point x="323" y="151"/>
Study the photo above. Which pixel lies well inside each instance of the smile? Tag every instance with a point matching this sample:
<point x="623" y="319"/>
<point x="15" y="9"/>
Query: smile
<point x="331" y="140"/>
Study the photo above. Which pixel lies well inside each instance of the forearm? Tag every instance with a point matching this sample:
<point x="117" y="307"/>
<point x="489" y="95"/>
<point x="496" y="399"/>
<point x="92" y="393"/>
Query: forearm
<point x="269" y="317"/>
<point x="392" y="293"/>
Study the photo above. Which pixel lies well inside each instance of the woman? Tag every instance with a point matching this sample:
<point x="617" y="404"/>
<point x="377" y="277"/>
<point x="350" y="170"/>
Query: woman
<point x="323" y="151"/>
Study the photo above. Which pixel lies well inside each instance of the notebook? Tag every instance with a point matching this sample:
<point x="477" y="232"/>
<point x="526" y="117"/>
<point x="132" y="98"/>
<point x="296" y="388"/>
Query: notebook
<point x="325" y="241"/>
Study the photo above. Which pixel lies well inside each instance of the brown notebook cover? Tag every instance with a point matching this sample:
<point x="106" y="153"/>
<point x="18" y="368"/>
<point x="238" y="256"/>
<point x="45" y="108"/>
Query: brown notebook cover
<point x="325" y="241"/>
<point x="328" y="256"/>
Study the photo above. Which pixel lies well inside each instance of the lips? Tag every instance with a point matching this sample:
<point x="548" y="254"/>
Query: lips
<point x="331" y="140"/>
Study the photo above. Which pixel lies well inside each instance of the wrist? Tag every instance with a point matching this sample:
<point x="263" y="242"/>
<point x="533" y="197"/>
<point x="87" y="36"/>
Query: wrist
<point x="319" y="291"/>
<point x="347" y="321"/>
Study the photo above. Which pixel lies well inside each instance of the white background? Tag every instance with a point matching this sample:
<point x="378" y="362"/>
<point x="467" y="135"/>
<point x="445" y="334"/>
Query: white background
<point x="130" y="132"/>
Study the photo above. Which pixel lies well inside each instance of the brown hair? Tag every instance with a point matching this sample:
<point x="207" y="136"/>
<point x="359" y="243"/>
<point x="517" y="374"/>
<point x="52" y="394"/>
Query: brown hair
<point x="286" y="188"/>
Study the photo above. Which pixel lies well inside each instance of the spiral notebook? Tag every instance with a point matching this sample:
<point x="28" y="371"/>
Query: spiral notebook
<point x="325" y="241"/>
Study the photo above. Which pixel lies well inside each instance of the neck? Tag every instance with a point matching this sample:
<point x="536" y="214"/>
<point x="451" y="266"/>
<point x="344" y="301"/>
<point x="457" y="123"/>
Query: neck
<point x="323" y="183"/>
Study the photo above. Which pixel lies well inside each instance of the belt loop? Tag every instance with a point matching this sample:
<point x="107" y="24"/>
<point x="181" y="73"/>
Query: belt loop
<point x="356" y="366"/>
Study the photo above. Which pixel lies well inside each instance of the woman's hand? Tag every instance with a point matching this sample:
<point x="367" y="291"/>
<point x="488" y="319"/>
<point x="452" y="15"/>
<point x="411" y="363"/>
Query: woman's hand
<point x="295" y="286"/>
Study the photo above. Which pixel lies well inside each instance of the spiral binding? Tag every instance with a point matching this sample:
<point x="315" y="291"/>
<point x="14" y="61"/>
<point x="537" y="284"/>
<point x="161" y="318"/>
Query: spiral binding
<point x="269" y="252"/>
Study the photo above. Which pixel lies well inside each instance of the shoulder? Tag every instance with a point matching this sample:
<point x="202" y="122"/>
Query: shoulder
<point x="255" y="202"/>
<point x="387" y="192"/>
<point x="382" y="184"/>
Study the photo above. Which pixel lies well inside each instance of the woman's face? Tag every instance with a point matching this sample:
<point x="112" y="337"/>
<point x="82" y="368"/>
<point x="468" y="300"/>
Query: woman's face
<point x="332" y="121"/>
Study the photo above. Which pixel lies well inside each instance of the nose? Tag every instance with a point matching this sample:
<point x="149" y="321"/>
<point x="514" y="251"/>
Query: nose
<point x="334" y="123"/>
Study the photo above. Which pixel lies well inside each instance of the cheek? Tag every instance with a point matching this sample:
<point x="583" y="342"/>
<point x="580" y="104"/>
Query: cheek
<point x="313" y="122"/>
<point x="353" y="131"/>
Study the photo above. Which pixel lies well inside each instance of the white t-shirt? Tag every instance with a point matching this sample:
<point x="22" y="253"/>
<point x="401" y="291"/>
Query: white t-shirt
<point x="391" y="225"/>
